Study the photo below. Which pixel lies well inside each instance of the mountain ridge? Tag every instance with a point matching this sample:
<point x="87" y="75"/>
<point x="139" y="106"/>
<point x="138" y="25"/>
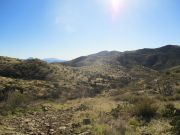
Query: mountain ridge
<point x="157" y="58"/>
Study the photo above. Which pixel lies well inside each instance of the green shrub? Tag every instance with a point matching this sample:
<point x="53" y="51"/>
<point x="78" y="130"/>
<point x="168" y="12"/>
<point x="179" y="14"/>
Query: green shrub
<point x="99" y="129"/>
<point x="28" y="69"/>
<point x="144" y="109"/>
<point x="16" y="99"/>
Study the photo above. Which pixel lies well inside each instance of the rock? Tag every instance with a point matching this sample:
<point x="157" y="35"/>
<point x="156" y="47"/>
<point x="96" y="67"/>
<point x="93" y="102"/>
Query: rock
<point x="30" y="124"/>
<point x="47" y="125"/>
<point x="41" y="133"/>
<point x="68" y="125"/>
<point x="32" y="133"/>
<point x="86" y="133"/>
<point x="32" y="113"/>
<point x="51" y="131"/>
<point x="27" y="120"/>
<point x="75" y="125"/>
<point x="51" y="122"/>
<point x="45" y="108"/>
<point x="54" y="123"/>
<point x="54" y="117"/>
<point x="81" y="107"/>
<point x="86" y="121"/>
<point x="62" y="128"/>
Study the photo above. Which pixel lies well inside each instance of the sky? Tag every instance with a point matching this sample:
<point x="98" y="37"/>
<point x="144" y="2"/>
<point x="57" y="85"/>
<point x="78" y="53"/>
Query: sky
<point x="67" y="29"/>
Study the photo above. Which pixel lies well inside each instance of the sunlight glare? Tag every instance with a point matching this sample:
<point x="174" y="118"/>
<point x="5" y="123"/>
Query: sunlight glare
<point x="116" y="6"/>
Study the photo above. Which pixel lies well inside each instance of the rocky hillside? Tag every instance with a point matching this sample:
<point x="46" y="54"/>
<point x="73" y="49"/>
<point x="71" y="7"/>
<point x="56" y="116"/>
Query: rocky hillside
<point x="100" y="58"/>
<point x="159" y="58"/>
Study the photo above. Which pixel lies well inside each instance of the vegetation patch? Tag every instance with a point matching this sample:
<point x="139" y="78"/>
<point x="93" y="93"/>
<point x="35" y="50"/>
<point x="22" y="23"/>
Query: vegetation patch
<point x="144" y="109"/>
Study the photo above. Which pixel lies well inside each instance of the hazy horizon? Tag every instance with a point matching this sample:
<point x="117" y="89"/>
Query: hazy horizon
<point x="67" y="29"/>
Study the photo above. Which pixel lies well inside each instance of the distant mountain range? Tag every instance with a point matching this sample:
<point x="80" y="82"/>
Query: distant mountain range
<point x="53" y="60"/>
<point x="49" y="60"/>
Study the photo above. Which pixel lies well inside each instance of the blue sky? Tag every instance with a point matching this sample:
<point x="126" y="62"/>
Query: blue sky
<point x="67" y="29"/>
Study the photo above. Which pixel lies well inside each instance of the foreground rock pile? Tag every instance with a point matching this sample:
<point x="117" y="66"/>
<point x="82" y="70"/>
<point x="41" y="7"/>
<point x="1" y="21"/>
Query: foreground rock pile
<point x="48" y="122"/>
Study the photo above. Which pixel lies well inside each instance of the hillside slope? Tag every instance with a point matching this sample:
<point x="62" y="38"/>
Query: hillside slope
<point x="159" y="58"/>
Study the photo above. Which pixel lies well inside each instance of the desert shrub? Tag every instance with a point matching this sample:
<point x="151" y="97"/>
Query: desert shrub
<point x="16" y="99"/>
<point x="121" y="110"/>
<point x="1" y="95"/>
<point x="134" y="122"/>
<point x="144" y="109"/>
<point x="128" y="97"/>
<point x="176" y="97"/>
<point x="117" y="129"/>
<point x="168" y="72"/>
<point x="115" y="112"/>
<point x="169" y="110"/>
<point x="55" y="94"/>
<point x="99" y="129"/>
<point x="178" y="90"/>
<point x="165" y="87"/>
<point x="134" y="99"/>
<point x="176" y="125"/>
<point x="112" y="131"/>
